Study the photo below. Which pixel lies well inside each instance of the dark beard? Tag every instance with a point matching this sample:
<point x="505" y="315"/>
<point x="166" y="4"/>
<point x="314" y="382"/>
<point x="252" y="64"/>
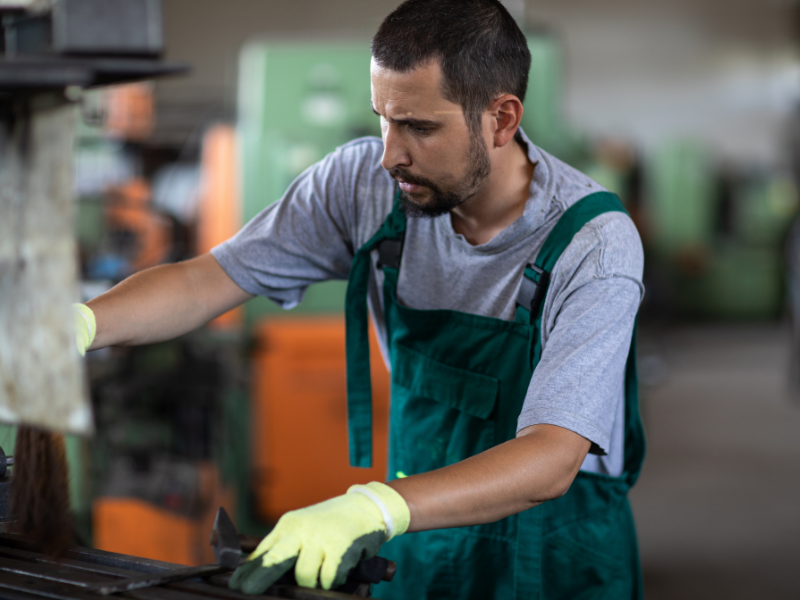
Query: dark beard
<point x="442" y="201"/>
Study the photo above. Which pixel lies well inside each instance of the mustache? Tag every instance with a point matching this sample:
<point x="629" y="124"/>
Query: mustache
<point x="398" y="173"/>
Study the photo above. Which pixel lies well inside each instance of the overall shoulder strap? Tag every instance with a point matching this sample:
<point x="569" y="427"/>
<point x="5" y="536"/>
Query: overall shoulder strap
<point x="530" y="307"/>
<point x="537" y="274"/>
<point x="388" y="239"/>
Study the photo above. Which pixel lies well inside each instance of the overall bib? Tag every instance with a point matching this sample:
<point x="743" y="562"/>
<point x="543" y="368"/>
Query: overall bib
<point x="458" y="384"/>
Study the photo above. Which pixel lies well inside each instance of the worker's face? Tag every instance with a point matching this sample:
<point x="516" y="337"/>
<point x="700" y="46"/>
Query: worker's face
<point x="428" y="147"/>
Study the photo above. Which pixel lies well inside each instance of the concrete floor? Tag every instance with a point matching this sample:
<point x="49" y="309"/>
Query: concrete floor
<point x="718" y="502"/>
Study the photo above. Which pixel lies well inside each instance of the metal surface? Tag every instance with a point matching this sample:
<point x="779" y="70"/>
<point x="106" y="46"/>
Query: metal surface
<point x="138" y="582"/>
<point x="33" y="73"/>
<point x="26" y="574"/>
<point x="107" y="27"/>
<point x="228" y="550"/>
<point x="225" y="540"/>
<point x="82" y="43"/>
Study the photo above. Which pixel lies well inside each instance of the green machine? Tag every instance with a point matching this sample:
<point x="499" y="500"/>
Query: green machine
<point x="543" y="120"/>
<point x="723" y="252"/>
<point x="299" y="101"/>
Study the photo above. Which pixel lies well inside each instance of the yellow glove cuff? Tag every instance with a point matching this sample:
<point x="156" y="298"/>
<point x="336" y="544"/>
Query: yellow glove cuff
<point x="85" y="327"/>
<point x="395" y="512"/>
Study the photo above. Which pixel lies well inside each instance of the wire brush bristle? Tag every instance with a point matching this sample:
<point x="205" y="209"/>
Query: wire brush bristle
<point x="40" y="490"/>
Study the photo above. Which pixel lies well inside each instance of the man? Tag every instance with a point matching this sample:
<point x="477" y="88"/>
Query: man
<point x="504" y="285"/>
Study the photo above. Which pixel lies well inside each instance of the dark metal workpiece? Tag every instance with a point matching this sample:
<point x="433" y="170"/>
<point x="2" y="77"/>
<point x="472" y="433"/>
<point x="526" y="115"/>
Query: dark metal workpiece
<point x="49" y="572"/>
<point x="90" y="557"/>
<point x="27" y="574"/>
<point x="71" y="577"/>
<point x="148" y="580"/>
<point x="227" y="548"/>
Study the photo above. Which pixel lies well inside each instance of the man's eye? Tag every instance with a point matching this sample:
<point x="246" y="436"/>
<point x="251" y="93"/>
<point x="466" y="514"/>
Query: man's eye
<point x="419" y="130"/>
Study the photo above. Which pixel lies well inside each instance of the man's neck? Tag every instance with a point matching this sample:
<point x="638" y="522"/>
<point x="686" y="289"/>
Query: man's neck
<point x="500" y="201"/>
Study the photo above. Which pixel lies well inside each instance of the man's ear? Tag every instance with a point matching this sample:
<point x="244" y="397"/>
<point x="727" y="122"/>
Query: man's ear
<point x="506" y="112"/>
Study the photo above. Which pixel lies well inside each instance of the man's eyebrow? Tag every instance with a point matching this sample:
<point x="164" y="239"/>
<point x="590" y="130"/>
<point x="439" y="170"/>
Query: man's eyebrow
<point x="407" y="121"/>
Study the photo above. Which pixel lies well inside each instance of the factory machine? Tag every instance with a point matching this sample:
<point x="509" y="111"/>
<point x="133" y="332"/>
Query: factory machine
<point x="53" y="53"/>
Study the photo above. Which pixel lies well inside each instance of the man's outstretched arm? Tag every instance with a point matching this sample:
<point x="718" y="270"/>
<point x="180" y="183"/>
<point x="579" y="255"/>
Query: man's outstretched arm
<point x="324" y="541"/>
<point x="537" y="466"/>
<point x="164" y="302"/>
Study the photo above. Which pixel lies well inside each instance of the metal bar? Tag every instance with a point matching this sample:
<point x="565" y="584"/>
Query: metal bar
<point x="38" y="580"/>
<point x="89" y="562"/>
<point x="294" y="592"/>
<point x="66" y="562"/>
<point x="217" y="587"/>
<point x="14" y="595"/>
<point x="120" y="561"/>
<point x="132" y="563"/>
<point x="57" y="574"/>
<point x="149" y="580"/>
<point x="54" y="569"/>
<point x="185" y="589"/>
<point x="43" y="588"/>
<point x="210" y="589"/>
<point x="90" y="555"/>
<point x="158" y="593"/>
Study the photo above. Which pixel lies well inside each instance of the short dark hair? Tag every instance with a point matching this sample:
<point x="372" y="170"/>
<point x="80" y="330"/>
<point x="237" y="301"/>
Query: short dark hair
<point x="481" y="49"/>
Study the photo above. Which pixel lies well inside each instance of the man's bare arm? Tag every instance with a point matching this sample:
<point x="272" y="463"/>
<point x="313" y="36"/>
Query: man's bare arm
<point x="538" y="465"/>
<point x="164" y="302"/>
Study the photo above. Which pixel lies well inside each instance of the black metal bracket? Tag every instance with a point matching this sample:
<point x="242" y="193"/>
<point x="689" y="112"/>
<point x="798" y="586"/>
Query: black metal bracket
<point x="81" y="43"/>
<point x="389" y="253"/>
<point x="531" y="293"/>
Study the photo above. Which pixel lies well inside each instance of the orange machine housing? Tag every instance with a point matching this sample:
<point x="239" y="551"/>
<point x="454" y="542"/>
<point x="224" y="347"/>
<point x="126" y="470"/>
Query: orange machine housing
<point x="130" y="111"/>
<point x="128" y="209"/>
<point x="219" y="214"/>
<point x="138" y="528"/>
<point x="300" y="414"/>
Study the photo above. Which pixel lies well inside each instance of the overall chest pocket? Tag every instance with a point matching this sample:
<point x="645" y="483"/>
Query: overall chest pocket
<point x="440" y="414"/>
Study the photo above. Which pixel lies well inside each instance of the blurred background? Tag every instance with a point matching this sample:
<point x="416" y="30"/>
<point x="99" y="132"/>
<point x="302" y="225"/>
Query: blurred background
<point x="689" y="110"/>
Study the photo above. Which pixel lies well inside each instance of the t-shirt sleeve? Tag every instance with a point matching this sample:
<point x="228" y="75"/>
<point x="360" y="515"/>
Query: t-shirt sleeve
<point x="306" y="237"/>
<point x="588" y="324"/>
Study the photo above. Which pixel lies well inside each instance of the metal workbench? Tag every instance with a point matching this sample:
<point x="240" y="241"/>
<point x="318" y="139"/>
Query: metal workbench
<point x="27" y="574"/>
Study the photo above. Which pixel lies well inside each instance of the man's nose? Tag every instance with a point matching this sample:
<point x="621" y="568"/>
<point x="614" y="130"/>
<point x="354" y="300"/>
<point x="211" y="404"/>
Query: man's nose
<point x="395" y="153"/>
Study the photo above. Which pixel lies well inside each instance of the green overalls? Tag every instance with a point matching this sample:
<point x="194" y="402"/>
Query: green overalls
<point x="458" y="385"/>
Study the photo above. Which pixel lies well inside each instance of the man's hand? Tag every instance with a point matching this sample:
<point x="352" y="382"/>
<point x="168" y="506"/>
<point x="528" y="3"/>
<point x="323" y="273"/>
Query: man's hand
<point x="324" y="541"/>
<point x="85" y="327"/>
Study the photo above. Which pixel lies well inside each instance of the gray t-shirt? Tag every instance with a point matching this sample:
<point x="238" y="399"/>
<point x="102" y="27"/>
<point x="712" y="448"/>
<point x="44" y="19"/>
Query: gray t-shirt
<point x="338" y="204"/>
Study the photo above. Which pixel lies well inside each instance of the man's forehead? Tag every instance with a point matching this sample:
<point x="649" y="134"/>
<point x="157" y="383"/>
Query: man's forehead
<point x="410" y="91"/>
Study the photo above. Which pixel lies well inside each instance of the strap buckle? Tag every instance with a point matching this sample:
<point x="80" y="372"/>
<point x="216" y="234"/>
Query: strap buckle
<point x="532" y="292"/>
<point x="390" y="252"/>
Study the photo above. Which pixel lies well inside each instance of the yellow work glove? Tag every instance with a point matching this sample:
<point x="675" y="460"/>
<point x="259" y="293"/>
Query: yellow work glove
<point x="324" y="541"/>
<point x="85" y="327"/>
